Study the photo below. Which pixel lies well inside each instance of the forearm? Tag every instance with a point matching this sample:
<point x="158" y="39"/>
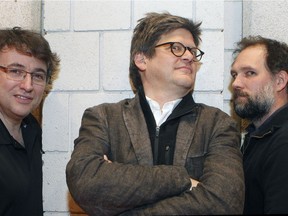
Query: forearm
<point x="132" y="185"/>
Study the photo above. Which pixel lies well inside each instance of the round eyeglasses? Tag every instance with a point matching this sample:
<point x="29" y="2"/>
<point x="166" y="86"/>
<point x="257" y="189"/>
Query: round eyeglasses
<point x="178" y="49"/>
<point x="18" y="74"/>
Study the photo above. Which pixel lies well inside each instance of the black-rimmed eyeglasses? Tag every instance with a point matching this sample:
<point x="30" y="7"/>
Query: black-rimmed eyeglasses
<point x="18" y="74"/>
<point x="178" y="49"/>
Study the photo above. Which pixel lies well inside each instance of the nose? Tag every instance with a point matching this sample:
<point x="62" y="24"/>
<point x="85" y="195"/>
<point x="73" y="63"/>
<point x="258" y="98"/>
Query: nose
<point x="27" y="83"/>
<point x="237" y="82"/>
<point x="188" y="56"/>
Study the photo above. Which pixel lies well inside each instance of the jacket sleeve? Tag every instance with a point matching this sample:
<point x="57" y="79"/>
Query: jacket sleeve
<point x="89" y="176"/>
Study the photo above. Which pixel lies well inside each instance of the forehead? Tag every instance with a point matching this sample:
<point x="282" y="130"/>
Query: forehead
<point x="12" y="56"/>
<point x="253" y="56"/>
<point x="177" y="35"/>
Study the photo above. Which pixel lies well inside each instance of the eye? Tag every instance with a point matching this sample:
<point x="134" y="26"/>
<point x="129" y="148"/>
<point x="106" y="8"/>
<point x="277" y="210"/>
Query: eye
<point x="250" y="73"/>
<point x="39" y="76"/>
<point x="233" y="74"/>
<point x="195" y="52"/>
<point x="177" y="48"/>
<point x="15" y="71"/>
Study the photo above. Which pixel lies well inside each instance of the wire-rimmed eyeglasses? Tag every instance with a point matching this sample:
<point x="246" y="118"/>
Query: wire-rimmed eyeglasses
<point x="178" y="49"/>
<point x="18" y="74"/>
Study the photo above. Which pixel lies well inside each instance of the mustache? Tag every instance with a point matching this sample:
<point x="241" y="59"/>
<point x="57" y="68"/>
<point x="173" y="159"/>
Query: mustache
<point x="239" y="93"/>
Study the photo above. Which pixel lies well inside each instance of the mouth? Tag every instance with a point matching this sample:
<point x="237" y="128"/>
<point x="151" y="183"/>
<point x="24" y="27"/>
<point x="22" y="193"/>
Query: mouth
<point x="240" y="98"/>
<point x="25" y="98"/>
<point x="185" y="69"/>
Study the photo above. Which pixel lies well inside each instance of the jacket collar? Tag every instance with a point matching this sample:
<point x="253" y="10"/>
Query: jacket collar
<point x="139" y="135"/>
<point x="274" y="122"/>
<point x="182" y="108"/>
<point x="28" y="130"/>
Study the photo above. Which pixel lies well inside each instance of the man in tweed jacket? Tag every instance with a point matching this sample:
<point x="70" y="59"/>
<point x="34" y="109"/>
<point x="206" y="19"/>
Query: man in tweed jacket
<point x="159" y="153"/>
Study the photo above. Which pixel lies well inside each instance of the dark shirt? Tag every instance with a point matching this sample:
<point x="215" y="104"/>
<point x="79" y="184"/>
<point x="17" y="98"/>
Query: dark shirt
<point x="21" y="171"/>
<point x="163" y="138"/>
<point x="265" y="156"/>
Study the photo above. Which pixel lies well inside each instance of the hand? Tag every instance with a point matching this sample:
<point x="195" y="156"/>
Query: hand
<point x="106" y="159"/>
<point x="194" y="183"/>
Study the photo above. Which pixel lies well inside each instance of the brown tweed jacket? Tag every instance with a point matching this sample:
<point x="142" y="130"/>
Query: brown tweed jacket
<point x="207" y="149"/>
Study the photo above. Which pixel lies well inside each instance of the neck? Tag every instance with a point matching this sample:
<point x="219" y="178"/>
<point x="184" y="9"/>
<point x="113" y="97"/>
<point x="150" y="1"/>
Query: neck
<point x="163" y="97"/>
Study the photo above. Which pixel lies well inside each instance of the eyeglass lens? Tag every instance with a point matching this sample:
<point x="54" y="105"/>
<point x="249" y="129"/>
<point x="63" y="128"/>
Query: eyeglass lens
<point x="38" y="77"/>
<point x="179" y="49"/>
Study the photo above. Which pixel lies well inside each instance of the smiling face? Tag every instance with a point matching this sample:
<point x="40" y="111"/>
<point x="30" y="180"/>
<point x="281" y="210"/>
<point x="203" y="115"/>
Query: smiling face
<point x="19" y="98"/>
<point x="254" y="87"/>
<point x="172" y="77"/>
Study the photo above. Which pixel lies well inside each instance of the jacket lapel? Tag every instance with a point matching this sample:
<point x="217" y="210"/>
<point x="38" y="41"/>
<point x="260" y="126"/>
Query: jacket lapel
<point x="185" y="134"/>
<point x="138" y="132"/>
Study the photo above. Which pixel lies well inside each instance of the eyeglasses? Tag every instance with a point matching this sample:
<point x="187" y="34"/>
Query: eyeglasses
<point x="17" y="74"/>
<point x="178" y="49"/>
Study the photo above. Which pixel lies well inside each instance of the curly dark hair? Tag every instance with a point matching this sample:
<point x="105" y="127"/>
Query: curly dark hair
<point x="277" y="52"/>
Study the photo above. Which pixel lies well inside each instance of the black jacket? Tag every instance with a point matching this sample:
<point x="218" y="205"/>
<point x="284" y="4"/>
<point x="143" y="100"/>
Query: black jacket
<point x="266" y="166"/>
<point x="21" y="171"/>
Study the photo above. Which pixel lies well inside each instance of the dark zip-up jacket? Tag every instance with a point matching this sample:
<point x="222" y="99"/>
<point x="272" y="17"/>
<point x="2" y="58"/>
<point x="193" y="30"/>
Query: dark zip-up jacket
<point x="163" y="137"/>
<point x="266" y="166"/>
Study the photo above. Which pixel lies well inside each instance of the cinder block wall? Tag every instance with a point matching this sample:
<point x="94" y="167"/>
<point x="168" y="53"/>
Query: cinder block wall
<point x="93" y="39"/>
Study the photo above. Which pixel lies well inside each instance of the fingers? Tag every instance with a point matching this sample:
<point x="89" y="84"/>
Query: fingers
<point x="106" y="159"/>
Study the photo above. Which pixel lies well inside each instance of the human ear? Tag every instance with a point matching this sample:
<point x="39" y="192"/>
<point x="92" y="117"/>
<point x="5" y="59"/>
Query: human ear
<point x="140" y="62"/>
<point x="282" y="80"/>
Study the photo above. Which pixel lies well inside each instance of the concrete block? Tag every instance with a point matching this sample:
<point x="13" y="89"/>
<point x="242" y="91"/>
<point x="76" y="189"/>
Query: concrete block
<point x="209" y="98"/>
<point x="55" y="122"/>
<point x="175" y="7"/>
<point x="232" y="23"/>
<point x="25" y="14"/>
<point x="102" y="15"/>
<point x="211" y="13"/>
<point x="55" y="190"/>
<point x="115" y="62"/>
<point x="227" y="91"/>
<point x="79" y="53"/>
<point x="56" y="15"/>
<point x="266" y="18"/>
<point x="210" y="75"/>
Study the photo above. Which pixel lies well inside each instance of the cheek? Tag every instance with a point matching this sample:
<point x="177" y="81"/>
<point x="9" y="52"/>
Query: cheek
<point x="39" y="95"/>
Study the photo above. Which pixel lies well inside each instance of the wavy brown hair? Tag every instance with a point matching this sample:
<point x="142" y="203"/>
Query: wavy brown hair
<point x="34" y="44"/>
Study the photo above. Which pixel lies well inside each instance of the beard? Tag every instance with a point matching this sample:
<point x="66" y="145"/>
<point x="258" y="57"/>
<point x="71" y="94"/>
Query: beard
<point x="254" y="108"/>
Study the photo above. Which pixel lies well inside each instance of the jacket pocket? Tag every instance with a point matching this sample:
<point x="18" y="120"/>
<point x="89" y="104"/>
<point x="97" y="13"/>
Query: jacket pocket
<point x="195" y="165"/>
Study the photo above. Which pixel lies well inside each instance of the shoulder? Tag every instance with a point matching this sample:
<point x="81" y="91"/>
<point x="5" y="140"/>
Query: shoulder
<point x="213" y="111"/>
<point x="215" y="117"/>
<point x="112" y="106"/>
<point x="110" y="110"/>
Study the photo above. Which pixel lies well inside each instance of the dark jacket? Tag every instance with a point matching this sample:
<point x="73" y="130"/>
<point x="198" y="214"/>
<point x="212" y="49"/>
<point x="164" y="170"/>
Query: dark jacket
<point x="21" y="171"/>
<point x="266" y="166"/>
<point x="207" y="148"/>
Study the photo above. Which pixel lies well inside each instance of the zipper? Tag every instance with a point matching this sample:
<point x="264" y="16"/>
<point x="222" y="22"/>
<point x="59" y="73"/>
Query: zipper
<point x="156" y="146"/>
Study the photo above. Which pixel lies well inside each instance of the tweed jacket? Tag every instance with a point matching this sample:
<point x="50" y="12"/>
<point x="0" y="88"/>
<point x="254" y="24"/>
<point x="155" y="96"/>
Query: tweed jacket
<point x="207" y="149"/>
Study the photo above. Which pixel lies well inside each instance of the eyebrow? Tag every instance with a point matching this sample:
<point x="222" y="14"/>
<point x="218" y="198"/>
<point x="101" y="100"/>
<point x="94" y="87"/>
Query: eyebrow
<point x="16" y="65"/>
<point x="244" y="68"/>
